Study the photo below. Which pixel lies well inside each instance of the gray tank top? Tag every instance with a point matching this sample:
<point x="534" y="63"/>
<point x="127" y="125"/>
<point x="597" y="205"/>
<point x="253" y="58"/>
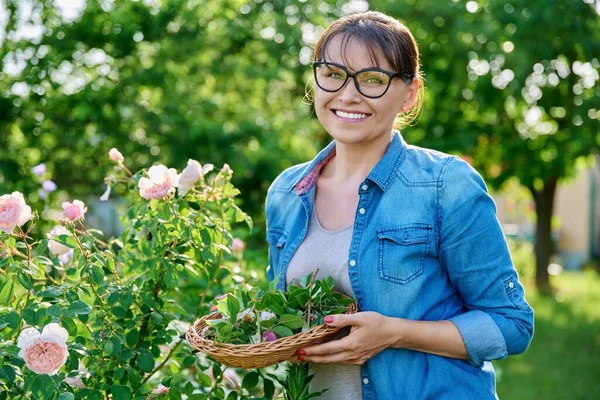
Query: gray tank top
<point x="328" y="251"/>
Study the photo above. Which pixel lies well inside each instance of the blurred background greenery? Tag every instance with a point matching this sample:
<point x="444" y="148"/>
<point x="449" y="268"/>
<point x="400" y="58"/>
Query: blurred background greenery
<point x="512" y="86"/>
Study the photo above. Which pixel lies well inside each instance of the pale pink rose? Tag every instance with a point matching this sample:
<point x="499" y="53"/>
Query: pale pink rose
<point x="76" y="381"/>
<point x="161" y="389"/>
<point x="237" y="247"/>
<point x="74" y="211"/>
<point x="226" y="169"/>
<point x="189" y="176"/>
<point x="162" y="181"/>
<point x="65" y="258"/>
<point x="56" y="248"/>
<point x="44" y="353"/>
<point x="115" y="155"/>
<point x="13" y="211"/>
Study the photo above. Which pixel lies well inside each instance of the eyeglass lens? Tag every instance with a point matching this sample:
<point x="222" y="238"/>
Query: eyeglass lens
<point x="370" y="83"/>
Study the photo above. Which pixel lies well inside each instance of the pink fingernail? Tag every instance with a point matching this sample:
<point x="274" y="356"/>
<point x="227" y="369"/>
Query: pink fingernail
<point x="328" y="319"/>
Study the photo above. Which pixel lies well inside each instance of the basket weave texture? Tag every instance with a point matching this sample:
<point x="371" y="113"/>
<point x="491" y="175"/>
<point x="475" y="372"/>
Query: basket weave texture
<point x="260" y="354"/>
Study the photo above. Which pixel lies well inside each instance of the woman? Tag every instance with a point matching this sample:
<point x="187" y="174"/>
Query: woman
<point x="409" y="232"/>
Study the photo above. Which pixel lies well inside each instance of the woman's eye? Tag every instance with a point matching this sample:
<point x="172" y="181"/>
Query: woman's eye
<point x="334" y="75"/>
<point x="373" y="80"/>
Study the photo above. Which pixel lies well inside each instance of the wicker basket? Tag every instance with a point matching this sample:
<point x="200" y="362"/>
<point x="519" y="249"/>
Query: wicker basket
<point x="260" y="354"/>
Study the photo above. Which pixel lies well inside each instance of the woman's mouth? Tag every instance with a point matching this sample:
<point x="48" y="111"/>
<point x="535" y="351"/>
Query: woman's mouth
<point x="354" y="116"/>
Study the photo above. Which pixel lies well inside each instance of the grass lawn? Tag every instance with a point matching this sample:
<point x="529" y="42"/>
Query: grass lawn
<point x="563" y="360"/>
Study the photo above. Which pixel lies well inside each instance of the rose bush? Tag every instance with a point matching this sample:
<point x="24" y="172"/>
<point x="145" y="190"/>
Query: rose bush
<point x="85" y="317"/>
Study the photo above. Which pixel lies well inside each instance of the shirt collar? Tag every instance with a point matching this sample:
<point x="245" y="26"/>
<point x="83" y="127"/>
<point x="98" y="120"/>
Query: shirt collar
<point x="382" y="174"/>
<point x="384" y="171"/>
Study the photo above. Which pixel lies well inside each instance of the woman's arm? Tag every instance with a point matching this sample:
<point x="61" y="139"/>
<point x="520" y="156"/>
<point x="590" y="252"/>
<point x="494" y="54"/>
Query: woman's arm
<point x="436" y="337"/>
<point x="373" y="332"/>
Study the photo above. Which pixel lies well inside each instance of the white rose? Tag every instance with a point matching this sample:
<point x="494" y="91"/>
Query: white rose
<point x="56" y="248"/>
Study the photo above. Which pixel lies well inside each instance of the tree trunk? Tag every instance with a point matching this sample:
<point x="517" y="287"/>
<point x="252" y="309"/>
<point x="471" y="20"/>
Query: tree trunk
<point x="544" y="205"/>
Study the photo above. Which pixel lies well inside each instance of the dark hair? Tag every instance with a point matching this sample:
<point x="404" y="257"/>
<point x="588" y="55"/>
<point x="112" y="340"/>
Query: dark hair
<point x="380" y="34"/>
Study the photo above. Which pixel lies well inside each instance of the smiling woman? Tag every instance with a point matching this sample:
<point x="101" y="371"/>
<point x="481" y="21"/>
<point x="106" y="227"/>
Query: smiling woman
<point x="410" y="233"/>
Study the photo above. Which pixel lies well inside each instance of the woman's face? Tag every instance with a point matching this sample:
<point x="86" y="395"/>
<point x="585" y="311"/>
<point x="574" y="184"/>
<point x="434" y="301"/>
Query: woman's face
<point x="348" y="116"/>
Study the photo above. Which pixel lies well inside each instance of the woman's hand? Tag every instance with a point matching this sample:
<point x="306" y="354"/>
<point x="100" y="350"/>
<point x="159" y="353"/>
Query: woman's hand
<point x="371" y="333"/>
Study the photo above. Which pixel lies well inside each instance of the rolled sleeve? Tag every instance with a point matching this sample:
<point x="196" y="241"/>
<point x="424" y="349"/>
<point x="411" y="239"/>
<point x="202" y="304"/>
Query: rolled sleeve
<point x="497" y="321"/>
<point x="480" y="347"/>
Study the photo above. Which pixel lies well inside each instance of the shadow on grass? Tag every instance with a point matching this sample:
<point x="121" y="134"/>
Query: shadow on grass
<point x="563" y="360"/>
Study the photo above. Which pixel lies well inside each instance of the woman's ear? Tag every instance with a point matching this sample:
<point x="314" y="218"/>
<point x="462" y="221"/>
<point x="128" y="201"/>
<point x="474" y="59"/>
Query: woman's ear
<point x="411" y="95"/>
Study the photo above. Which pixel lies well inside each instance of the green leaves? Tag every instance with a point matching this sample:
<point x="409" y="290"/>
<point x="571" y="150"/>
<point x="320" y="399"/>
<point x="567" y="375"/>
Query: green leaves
<point x="145" y="360"/>
<point x="249" y="313"/>
<point x="67" y="240"/>
<point x="77" y="308"/>
<point x="42" y="386"/>
<point x="120" y="392"/>
<point x="250" y="380"/>
<point x="291" y="321"/>
<point x="282" y="331"/>
<point x="233" y="306"/>
<point x="7" y="290"/>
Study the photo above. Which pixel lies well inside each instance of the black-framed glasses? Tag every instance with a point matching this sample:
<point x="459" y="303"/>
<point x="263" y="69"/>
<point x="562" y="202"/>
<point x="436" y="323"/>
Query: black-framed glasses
<point x="370" y="82"/>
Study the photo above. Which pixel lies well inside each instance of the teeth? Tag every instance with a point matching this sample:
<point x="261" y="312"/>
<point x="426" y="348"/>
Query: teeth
<point x="350" y="115"/>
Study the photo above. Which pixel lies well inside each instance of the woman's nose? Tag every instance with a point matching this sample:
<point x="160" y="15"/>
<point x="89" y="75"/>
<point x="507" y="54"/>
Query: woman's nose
<point x="349" y="93"/>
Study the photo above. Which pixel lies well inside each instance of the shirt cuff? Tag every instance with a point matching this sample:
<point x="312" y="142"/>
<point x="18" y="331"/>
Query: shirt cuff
<point x="481" y="335"/>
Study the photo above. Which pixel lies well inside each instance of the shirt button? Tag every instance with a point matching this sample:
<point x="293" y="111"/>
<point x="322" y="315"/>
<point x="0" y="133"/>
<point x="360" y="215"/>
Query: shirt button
<point x="364" y="187"/>
<point x="362" y="211"/>
<point x="511" y="285"/>
<point x="366" y="381"/>
<point x="352" y="263"/>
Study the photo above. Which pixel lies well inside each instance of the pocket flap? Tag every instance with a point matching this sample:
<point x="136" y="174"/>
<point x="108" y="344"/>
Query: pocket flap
<point x="277" y="237"/>
<point x="406" y="235"/>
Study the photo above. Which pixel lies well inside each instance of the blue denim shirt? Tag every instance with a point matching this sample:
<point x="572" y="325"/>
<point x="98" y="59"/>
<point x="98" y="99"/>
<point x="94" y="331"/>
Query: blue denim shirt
<point x="426" y="246"/>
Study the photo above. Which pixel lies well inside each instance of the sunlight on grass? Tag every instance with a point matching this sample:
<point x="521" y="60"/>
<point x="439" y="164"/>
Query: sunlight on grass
<point x="563" y="360"/>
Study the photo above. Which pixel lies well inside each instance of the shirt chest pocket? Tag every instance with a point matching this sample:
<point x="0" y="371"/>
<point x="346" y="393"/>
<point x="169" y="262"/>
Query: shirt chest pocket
<point x="276" y="238"/>
<point x="401" y="252"/>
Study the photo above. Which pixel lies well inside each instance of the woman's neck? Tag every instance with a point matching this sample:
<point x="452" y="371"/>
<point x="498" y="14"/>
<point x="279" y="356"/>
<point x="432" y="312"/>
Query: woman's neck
<point x="353" y="162"/>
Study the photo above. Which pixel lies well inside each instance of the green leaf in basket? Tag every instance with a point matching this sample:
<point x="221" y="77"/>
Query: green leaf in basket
<point x="291" y="321"/>
<point x="223" y="308"/>
<point x="233" y="306"/>
<point x="282" y="331"/>
<point x="298" y="298"/>
<point x="272" y="301"/>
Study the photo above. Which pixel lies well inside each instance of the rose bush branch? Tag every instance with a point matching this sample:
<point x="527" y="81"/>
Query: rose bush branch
<point x="118" y="299"/>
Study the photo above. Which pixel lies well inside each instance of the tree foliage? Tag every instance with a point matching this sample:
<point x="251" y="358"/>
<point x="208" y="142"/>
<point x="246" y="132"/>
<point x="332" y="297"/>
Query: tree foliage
<point x="513" y="86"/>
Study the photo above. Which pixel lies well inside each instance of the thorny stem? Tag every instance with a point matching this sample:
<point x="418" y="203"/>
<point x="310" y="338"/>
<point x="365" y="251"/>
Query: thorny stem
<point x="162" y="363"/>
<point x="104" y="244"/>
<point x="20" y="318"/>
<point x="85" y="255"/>
<point x="145" y="321"/>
